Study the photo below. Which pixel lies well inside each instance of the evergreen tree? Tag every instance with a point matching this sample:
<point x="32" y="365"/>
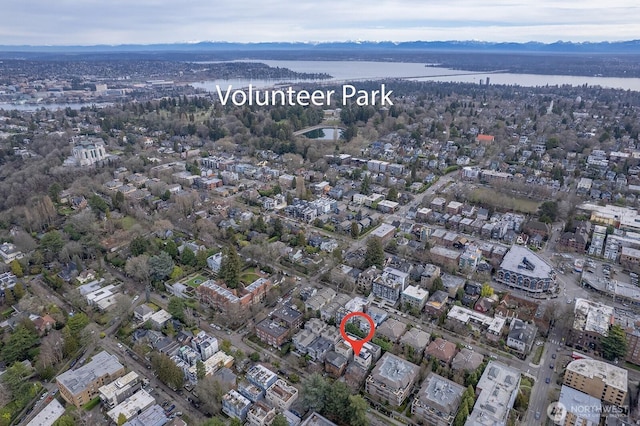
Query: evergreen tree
<point x="414" y="171"/>
<point x="201" y="259"/>
<point x="365" y="187"/>
<point x="393" y="194"/>
<point x="230" y="268"/>
<point x="279" y="420"/>
<point x="358" y="411"/>
<point x="138" y="246"/>
<point x="614" y="345"/>
<point x="188" y="257"/>
<point x="176" y="308"/>
<point x="160" y="266"/>
<point x="18" y="291"/>
<point x="374" y="254"/>
<point x="200" y="370"/>
<point x="172" y="248"/>
<point x="437" y="285"/>
<point x="16" y="268"/>
<point x="277" y="228"/>
<point x="9" y="298"/>
<point x="355" y="230"/>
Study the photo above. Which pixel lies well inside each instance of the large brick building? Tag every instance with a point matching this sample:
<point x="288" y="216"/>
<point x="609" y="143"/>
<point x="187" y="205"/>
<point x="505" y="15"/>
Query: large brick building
<point x="236" y="303"/>
<point x="80" y="386"/>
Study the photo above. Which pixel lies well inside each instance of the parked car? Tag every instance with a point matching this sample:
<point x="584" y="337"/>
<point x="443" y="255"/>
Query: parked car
<point x="547" y="380"/>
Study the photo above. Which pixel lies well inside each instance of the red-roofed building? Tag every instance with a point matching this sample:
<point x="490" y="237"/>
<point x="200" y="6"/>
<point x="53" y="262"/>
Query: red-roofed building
<point x="44" y="324"/>
<point x="485" y="139"/>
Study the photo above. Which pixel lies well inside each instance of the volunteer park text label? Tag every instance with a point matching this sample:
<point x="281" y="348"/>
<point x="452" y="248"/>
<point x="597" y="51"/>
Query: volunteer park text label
<point x="291" y="97"/>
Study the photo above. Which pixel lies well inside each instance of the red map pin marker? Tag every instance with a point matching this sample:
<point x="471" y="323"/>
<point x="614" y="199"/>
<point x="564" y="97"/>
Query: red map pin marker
<point x="357" y="344"/>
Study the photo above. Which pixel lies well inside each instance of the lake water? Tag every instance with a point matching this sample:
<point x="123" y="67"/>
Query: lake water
<point x="50" y="107"/>
<point x="344" y="71"/>
<point x="325" y="134"/>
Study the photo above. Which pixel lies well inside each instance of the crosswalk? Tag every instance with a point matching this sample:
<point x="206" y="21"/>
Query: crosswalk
<point x="555" y="342"/>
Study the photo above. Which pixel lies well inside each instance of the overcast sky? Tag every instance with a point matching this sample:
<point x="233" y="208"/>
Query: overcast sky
<point x="87" y="22"/>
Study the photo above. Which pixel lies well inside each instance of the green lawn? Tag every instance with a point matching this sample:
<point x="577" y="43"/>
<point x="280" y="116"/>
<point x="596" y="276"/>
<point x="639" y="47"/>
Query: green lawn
<point x="491" y="197"/>
<point x="127" y="222"/>
<point x="538" y="354"/>
<point x="195" y="281"/>
<point x="91" y="404"/>
<point x="248" y="277"/>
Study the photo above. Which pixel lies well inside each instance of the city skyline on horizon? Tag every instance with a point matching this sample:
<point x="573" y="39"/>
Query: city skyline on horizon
<point x="148" y="22"/>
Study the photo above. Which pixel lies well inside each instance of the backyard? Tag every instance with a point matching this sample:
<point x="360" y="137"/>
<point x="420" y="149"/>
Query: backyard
<point x="249" y="275"/>
<point x="491" y="197"/>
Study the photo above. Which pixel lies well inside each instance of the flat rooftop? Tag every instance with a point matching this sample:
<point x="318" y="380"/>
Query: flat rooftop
<point x="394" y="372"/>
<point x="497" y="386"/>
<point x="101" y="364"/>
<point x="49" y="414"/>
<point x="581" y="405"/>
<point x="525" y="262"/>
<point x="593" y="317"/>
<point x="613" y="376"/>
<point x="440" y="393"/>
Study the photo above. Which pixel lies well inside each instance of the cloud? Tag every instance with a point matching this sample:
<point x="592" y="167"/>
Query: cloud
<point x="87" y="22"/>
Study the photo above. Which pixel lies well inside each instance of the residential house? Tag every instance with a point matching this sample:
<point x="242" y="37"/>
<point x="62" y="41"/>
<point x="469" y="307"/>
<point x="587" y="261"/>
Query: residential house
<point x="416" y="339"/>
<point x="442" y="350"/>
<point x="335" y="364"/>
<point x="281" y="395"/>
<point x="467" y="360"/>
<point x="235" y="405"/>
<point x="437" y="303"/>
<point x="521" y="336"/>
<point x="392" y="329"/>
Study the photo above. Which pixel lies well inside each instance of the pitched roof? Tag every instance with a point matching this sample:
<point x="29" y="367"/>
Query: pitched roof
<point x="442" y="349"/>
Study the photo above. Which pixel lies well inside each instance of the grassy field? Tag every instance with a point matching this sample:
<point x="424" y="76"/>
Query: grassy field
<point x="195" y="280"/>
<point x="249" y="275"/>
<point x="490" y="197"/>
<point x="538" y="354"/>
<point x="127" y="222"/>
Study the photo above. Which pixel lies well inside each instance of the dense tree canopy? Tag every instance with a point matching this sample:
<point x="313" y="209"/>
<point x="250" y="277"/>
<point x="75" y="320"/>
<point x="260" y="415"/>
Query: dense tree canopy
<point x="335" y="401"/>
<point x="374" y="254"/>
<point x="230" y="268"/>
<point x="614" y="345"/>
<point x="167" y="371"/>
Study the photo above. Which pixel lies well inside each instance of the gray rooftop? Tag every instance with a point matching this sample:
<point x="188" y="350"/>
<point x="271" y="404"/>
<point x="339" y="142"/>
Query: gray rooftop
<point x="440" y="393"/>
<point x="612" y="375"/>
<point x="498" y="387"/>
<point x="525" y="262"/>
<point x="316" y="419"/>
<point x="394" y="372"/>
<point x="101" y="364"/>
<point x="416" y="338"/>
<point x="582" y="405"/>
<point x="152" y="416"/>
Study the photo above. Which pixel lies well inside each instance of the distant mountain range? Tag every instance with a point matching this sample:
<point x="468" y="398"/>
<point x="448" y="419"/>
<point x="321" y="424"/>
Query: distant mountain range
<point x="618" y="47"/>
